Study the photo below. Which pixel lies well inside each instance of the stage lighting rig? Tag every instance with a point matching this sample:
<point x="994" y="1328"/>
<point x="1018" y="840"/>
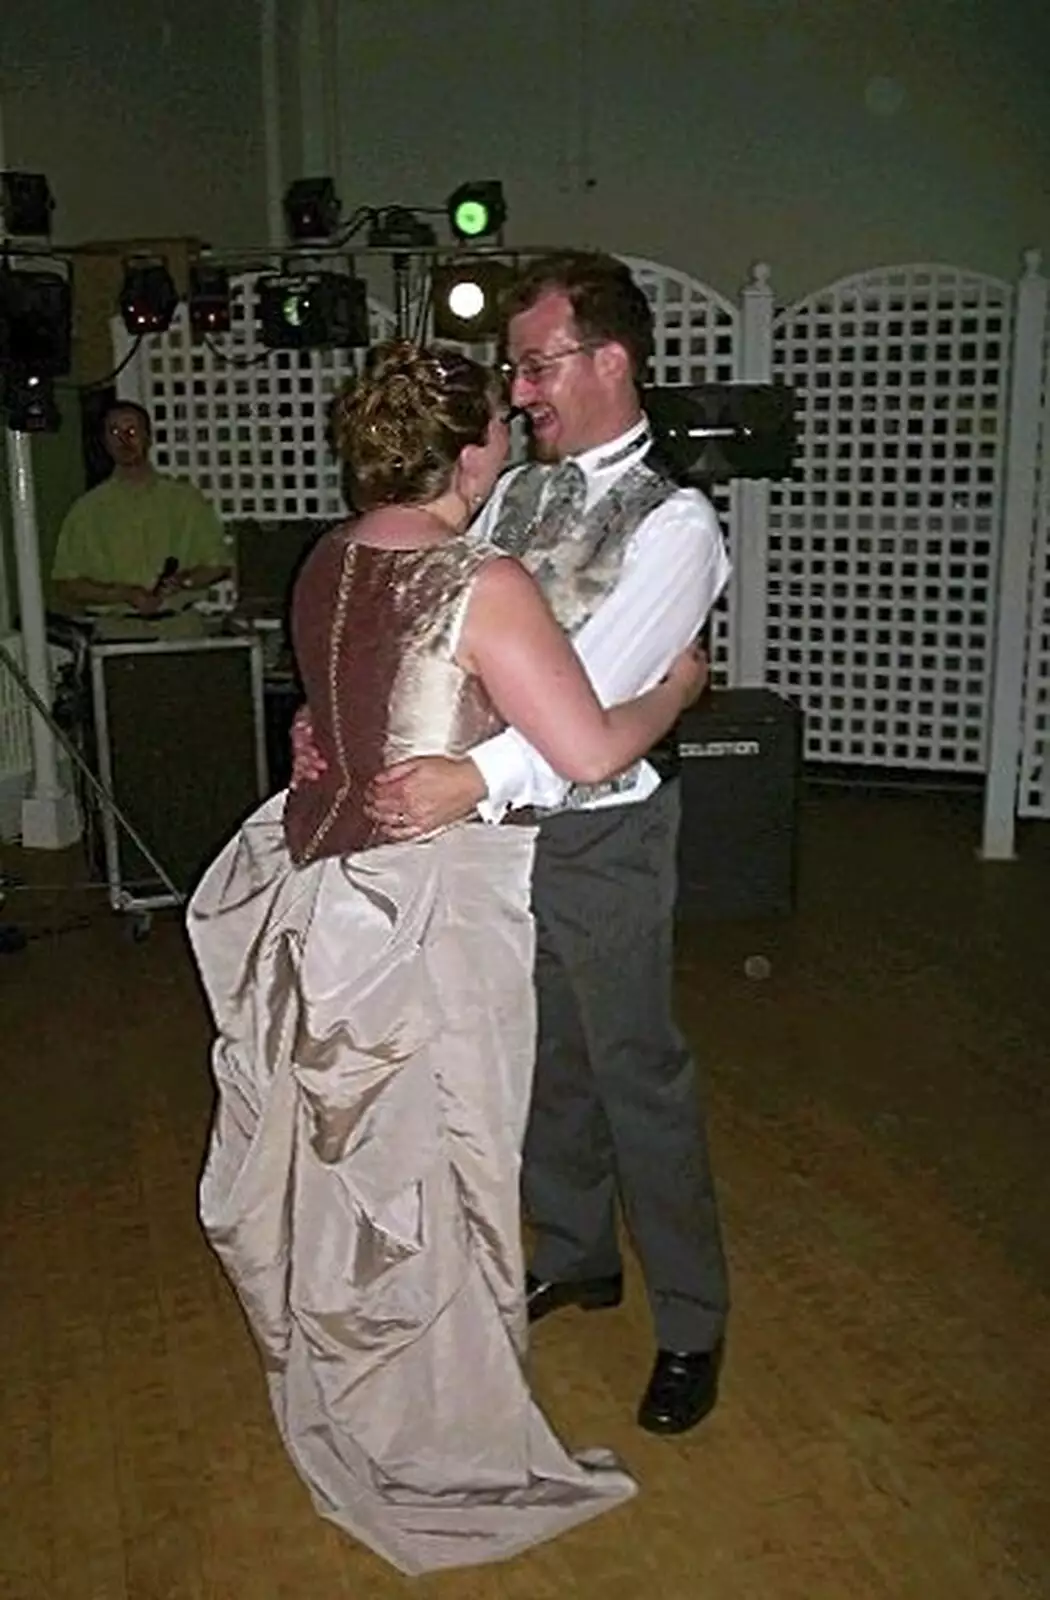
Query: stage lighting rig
<point x="465" y="296"/>
<point x="148" y="297"/>
<point x="26" y="205"/>
<point x="27" y="402"/>
<point x="477" y="210"/>
<point x="209" y="300"/>
<point x="713" y="432"/>
<point x="36" y="322"/>
<point x="312" y="311"/>
<point x="35" y="347"/>
<point x="312" y="209"/>
<point x="399" y="228"/>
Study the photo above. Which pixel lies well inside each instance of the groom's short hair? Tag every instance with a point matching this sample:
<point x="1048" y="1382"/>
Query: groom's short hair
<point x="607" y="303"/>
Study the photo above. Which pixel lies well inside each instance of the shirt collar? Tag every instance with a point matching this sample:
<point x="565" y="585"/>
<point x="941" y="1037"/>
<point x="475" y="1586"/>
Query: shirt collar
<point x="618" y="452"/>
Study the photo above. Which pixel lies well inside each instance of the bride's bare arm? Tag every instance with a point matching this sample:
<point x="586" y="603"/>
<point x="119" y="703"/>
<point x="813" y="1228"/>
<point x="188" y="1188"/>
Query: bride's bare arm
<point x="534" y="678"/>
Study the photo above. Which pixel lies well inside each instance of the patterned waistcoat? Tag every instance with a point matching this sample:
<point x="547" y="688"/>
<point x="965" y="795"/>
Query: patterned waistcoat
<point x="578" y="572"/>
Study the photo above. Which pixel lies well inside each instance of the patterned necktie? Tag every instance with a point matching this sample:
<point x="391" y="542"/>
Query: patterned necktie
<point x="564" y="502"/>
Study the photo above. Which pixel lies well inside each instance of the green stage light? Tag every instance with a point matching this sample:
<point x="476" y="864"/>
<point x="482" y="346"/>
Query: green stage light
<point x="313" y="311"/>
<point x="477" y="210"/>
<point x="471" y="219"/>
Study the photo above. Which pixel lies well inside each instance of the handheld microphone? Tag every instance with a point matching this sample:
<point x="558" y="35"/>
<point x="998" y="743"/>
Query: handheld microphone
<point x="168" y="570"/>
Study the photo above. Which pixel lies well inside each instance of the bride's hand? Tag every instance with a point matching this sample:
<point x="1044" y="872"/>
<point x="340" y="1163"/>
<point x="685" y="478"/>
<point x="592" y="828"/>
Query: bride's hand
<point x="308" y="764"/>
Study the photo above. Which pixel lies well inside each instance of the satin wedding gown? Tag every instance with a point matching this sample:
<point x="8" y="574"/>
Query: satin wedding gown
<point x="375" y="1037"/>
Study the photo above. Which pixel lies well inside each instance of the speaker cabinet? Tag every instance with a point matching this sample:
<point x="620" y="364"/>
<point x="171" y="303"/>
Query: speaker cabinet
<point x="741" y="755"/>
<point x="181" y="748"/>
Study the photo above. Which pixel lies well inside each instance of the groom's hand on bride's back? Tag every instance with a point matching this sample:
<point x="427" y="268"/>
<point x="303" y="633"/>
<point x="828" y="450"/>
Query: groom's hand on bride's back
<point x="424" y="793"/>
<point x="411" y="798"/>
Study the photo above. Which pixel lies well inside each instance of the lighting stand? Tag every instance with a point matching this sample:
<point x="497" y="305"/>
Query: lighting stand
<point x="401" y="264"/>
<point x="5" y="581"/>
<point x="50" y="816"/>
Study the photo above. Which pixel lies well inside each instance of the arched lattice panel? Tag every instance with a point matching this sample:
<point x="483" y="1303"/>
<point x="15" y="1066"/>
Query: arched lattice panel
<point x="1034" y="787"/>
<point x="883" y="550"/>
<point x="695" y="334"/>
<point x="244" y="423"/>
<point x="697" y="338"/>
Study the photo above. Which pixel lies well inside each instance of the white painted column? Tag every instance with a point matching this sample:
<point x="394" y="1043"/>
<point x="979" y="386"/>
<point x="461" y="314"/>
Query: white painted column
<point x="5" y="589"/>
<point x="271" y="112"/>
<point x="332" y="15"/>
<point x="319" y="36"/>
<point x="5" y="580"/>
<point x="50" y="818"/>
<point x="1018" y="541"/>
<point x="750" y="499"/>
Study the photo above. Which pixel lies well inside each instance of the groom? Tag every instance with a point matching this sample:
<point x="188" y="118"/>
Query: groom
<point x="615" y="1108"/>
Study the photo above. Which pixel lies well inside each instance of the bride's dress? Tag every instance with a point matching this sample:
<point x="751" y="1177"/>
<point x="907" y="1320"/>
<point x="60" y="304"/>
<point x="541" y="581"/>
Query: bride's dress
<point x="375" y="1019"/>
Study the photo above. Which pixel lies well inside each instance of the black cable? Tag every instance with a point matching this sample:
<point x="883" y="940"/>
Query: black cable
<point x="357" y="221"/>
<point x="104" y="383"/>
<point x="232" y="361"/>
<point x="370" y="214"/>
<point x="14" y="939"/>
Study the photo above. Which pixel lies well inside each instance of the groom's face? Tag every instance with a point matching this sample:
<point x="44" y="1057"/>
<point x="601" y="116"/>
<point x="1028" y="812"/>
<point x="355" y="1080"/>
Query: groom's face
<point x="556" y="379"/>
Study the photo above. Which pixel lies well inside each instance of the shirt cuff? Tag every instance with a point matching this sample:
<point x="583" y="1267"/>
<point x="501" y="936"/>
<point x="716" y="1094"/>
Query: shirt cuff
<point x="503" y="774"/>
<point x="514" y="776"/>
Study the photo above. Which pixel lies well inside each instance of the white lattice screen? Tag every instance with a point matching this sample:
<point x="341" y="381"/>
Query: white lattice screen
<point x="1034" y="787"/>
<point x="697" y="341"/>
<point x="879" y="558"/>
<point x="247" y="424"/>
<point x="244" y="423"/>
<point x="883" y="551"/>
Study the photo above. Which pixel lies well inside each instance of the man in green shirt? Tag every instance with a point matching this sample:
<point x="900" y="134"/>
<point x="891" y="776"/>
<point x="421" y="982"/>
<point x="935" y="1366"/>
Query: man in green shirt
<point x="139" y="542"/>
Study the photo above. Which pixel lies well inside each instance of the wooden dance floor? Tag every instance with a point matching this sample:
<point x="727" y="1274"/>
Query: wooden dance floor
<point x="881" y="1125"/>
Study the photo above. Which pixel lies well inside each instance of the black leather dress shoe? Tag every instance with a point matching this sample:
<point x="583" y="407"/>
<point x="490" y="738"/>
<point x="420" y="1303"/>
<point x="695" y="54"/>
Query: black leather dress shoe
<point x="590" y="1294"/>
<point x="682" y="1390"/>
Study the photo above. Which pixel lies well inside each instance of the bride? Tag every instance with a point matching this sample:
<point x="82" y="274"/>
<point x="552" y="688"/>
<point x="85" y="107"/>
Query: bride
<point x="374" y="1008"/>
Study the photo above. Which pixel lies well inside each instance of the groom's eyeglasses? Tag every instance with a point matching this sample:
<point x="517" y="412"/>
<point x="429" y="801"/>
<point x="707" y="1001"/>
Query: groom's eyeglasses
<point x="534" y="365"/>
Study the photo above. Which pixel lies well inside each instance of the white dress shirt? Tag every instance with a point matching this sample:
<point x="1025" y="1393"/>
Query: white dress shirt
<point x="675" y="567"/>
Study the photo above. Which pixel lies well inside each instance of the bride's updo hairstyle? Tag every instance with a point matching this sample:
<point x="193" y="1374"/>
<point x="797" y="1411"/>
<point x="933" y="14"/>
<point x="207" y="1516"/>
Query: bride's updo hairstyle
<point x="399" y="428"/>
